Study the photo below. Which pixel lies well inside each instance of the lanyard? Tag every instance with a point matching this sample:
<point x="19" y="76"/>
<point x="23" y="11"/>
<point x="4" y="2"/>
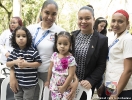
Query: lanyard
<point x="112" y="46"/>
<point x="46" y="33"/>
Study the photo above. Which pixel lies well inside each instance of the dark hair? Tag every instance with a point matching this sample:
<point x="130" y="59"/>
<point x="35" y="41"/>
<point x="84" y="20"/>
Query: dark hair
<point x="88" y="8"/>
<point x="98" y="21"/>
<point x="19" y="22"/>
<point x="13" y="37"/>
<point x="71" y="39"/>
<point x="47" y="2"/>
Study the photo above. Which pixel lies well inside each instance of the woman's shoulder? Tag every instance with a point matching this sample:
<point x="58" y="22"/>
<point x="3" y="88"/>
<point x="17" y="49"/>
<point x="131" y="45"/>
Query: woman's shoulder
<point x="31" y="26"/>
<point x="6" y="31"/>
<point x="127" y="37"/>
<point x="57" y="28"/>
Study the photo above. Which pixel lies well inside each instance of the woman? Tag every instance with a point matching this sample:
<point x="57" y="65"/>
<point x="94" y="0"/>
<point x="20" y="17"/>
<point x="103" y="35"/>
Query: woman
<point x="118" y="77"/>
<point x="91" y="49"/>
<point x="43" y="40"/>
<point x="5" y="46"/>
<point x="101" y="25"/>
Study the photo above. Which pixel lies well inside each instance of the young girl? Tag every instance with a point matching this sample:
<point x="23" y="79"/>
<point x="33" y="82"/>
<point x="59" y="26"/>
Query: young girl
<point x="62" y="66"/>
<point x="25" y="60"/>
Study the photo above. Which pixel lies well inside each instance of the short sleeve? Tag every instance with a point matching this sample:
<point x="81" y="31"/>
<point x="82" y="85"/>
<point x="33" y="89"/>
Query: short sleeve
<point x="11" y="56"/>
<point x="72" y="61"/>
<point x="54" y="55"/>
<point x="127" y="48"/>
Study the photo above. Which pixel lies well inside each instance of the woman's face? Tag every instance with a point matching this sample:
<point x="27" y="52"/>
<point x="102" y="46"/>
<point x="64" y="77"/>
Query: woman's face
<point x="49" y="14"/>
<point x="119" y="23"/>
<point x="85" y="21"/>
<point x="14" y="23"/>
<point x="101" y="26"/>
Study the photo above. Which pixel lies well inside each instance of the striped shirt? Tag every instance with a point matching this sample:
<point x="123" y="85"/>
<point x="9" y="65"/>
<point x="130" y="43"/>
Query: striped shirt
<point x="26" y="76"/>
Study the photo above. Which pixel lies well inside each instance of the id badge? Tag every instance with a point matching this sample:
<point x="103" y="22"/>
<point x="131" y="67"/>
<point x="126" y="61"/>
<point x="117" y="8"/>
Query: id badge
<point x="52" y="37"/>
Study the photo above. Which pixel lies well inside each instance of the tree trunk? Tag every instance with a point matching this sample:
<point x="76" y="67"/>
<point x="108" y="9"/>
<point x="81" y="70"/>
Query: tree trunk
<point x="17" y="8"/>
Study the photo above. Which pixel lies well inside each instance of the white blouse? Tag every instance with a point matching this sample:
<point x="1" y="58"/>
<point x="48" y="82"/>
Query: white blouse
<point x="117" y="53"/>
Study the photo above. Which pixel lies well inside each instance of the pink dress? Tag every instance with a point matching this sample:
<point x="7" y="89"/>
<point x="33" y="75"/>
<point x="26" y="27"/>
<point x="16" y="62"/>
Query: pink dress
<point x="59" y="74"/>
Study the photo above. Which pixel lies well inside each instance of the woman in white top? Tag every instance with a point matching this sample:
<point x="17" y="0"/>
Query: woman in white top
<point x="43" y="40"/>
<point x="5" y="47"/>
<point x="118" y="77"/>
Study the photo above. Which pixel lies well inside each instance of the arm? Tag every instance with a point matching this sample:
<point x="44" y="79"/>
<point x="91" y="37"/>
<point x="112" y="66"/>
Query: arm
<point x="124" y="76"/>
<point x="71" y="72"/>
<point x="73" y="87"/>
<point x="12" y="63"/>
<point x="3" y="40"/>
<point x="49" y="74"/>
<point x="23" y="64"/>
<point x="13" y="81"/>
<point x="37" y="61"/>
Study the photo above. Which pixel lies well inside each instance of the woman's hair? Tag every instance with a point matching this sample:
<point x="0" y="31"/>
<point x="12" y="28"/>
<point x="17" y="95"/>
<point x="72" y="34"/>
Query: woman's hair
<point x="13" y="37"/>
<point x="98" y="21"/>
<point x="19" y="22"/>
<point x="71" y="40"/>
<point x="47" y="2"/>
<point x="90" y="6"/>
<point x="87" y="8"/>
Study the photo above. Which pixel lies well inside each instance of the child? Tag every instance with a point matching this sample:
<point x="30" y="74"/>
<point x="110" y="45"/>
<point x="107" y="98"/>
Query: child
<point x="25" y="60"/>
<point x="62" y="66"/>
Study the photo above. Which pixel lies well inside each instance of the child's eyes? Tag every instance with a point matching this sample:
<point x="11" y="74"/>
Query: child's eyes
<point x="24" y="36"/>
<point x="17" y="36"/>
<point x="62" y="43"/>
<point x="21" y="36"/>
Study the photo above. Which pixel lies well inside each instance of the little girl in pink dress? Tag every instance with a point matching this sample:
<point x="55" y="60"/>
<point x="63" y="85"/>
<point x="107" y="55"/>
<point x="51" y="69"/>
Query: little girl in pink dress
<point x="62" y="67"/>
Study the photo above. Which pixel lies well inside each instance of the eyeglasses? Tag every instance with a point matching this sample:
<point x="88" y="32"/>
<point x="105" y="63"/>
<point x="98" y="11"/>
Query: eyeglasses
<point x="13" y="22"/>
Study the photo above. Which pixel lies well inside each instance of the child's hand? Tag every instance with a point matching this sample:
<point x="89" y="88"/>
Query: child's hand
<point x="17" y="60"/>
<point x="22" y="63"/>
<point x="61" y="89"/>
<point x="47" y="83"/>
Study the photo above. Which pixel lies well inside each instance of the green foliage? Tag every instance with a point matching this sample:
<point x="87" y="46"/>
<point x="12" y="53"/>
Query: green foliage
<point x="30" y="10"/>
<point x="67" y="15"/>
<point x="4" y="20"/>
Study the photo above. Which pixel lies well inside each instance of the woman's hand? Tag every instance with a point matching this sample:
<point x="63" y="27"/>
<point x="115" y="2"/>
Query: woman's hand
<point x="100" y="90"/>
<point x="73" y="86"/>
<point x="86" y="84"/>
<point x="13" y="81"/>
<point x="46" y="84"/>
<point x="7" y="54"/>
<point x="61" y="89"/>
<point x="113" y="97"/>
<point x="14" y="84"/>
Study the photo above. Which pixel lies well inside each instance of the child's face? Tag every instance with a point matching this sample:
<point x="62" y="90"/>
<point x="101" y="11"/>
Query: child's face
<point x="63" y="45"/>
<point x="21" y="38"/>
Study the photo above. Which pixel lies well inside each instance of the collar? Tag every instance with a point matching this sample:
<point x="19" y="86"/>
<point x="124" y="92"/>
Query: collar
<point x="122" y="35"/>
<point x="52" y="28"/>
<point x="25" y="49"/>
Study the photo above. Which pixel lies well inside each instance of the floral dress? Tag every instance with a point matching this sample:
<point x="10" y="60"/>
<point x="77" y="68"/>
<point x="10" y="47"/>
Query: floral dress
<point x="59" y="74"/>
